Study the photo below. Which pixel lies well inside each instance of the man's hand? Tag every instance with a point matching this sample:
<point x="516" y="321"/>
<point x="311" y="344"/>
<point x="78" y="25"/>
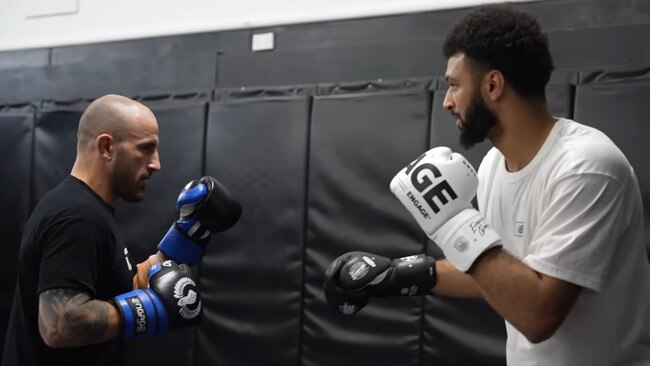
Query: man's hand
<point x="171" y="301"/>
<point x="205" y="207"/>
<point x="353" y="278"/>
<point x="437" y="189"/>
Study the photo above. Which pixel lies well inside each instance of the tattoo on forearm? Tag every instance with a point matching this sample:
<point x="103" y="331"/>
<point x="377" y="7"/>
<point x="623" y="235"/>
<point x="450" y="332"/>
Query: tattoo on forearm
<point x="71" y="318"/>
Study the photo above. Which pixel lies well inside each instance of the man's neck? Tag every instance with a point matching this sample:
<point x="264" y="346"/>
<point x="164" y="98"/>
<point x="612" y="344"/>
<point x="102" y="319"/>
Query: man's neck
<point x="522" y="134"/>
<point x="96" y="182"/>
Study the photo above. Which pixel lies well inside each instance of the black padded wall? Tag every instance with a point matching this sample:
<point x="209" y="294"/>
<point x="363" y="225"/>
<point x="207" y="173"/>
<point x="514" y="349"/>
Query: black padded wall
<point x="252" y="275"/>
<point x="130" y="69"/>
<point x="459" y="331"/>
<point x="181" y="123"/>
<point x="583" y="33"/>
<point x="16" y="132"/>
<point x="337" y="63"/>
<point x="358" y="142"/>
<point x="55" y="144"/>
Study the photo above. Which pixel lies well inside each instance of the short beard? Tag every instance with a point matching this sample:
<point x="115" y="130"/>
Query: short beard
<point x="124" y="185"/>
<point x="479" y="122"/>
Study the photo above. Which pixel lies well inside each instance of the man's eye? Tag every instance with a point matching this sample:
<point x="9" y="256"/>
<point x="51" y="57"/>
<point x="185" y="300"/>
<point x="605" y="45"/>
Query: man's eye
<point x="148" y="148"/>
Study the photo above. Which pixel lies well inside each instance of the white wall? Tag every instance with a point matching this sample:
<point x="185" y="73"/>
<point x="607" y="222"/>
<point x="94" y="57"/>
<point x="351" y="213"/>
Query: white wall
<point x="28" y="24"/>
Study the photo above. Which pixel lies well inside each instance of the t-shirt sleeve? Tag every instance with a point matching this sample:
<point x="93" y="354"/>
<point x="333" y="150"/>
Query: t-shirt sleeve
<point x="579" y="226"/>
<point x="71" y="255"/>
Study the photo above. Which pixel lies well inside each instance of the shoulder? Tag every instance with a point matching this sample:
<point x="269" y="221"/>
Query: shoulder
<point x="489" y="162"/>
<point x="69" y="203"/>
<point x="580" y="149"/>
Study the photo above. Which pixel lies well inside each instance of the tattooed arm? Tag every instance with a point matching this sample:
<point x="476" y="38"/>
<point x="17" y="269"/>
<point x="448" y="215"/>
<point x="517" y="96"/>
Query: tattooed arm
<point x="70" y="318"/>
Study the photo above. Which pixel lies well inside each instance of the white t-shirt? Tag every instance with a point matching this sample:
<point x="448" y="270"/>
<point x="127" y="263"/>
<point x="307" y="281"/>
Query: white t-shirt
<point x="575" y="213"/>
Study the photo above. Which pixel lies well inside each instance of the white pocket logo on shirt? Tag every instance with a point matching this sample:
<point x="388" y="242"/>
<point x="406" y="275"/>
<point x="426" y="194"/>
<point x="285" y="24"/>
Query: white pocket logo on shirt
<point x="519" y="228"/>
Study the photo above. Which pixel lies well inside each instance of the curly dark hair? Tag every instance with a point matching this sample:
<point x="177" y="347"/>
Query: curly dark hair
<point x="498" y="36"/>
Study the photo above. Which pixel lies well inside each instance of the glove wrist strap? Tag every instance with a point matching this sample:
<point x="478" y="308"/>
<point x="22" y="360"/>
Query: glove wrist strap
<point x="143" y="314"/>
<point x="408" y="276"/>
<point x="465" y="237"/>
<point x="178" y="246"/>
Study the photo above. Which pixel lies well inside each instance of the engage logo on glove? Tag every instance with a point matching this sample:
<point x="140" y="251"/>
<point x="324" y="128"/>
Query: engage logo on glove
<point x="415" y="170"/>
<point x="140" y="321"/>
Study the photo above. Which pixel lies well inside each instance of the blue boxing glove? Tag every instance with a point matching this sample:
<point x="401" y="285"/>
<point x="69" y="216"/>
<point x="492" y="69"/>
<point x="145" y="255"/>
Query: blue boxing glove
<point x="205" y="207"/>
<point x="171" y="301"/>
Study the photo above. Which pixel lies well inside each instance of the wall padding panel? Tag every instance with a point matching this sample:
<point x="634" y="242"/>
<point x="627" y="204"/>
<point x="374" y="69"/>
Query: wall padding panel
<point x="620" y="109"/>
<point x="252" y="274"/>
<point x="358" y="143"/>
<point x="16" y="129"/>
<point x="459" y="331"/>
<point x="55" y="144"/>
<point x="389" y="60"/>
<point x="181" y="126"/>
<point x="96" y="76"/>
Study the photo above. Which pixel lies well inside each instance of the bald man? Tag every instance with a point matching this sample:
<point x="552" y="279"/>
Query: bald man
<point x="117" y="148"/>
<point x="77" y="293"/>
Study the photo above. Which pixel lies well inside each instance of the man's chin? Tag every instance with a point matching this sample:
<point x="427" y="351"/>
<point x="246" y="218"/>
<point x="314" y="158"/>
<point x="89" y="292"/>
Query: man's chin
<point x="465" y="141"/>
<point x="134" y="197"/>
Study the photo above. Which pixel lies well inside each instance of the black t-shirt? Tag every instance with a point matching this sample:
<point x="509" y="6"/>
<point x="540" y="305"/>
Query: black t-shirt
<point x="71" y="241"/>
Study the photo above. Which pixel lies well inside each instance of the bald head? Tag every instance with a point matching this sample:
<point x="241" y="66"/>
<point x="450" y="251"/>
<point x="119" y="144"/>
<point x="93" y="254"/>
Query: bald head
<point x="117" y="148"/>
<point x="111" y="114"/>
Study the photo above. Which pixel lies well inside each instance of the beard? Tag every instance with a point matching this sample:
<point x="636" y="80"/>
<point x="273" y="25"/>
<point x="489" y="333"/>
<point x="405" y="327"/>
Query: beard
<point x="124" y="184"/>
<point x="478" y="122"/>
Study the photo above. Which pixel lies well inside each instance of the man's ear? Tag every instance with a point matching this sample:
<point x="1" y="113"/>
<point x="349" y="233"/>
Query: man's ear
<point x="105" y="146"/>
<point x="494" y="84"/>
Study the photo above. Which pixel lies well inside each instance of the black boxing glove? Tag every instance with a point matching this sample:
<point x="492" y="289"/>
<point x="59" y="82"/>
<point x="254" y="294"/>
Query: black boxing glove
<point x="171" y="301"/>
<point x="353" y="278"/>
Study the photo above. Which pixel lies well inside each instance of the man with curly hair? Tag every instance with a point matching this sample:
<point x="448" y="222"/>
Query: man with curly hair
<point x="556" y="246"/>
<point x="572" y="278"/>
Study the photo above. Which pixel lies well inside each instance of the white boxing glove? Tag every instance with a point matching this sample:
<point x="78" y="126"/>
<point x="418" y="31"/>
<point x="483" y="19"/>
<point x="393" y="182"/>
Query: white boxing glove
<point x="437" y="189"/>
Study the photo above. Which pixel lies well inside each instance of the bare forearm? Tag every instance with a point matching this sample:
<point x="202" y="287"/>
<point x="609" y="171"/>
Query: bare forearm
<point x="69" y="318"/>
<point x="454" y="283"/>
<point x="534" y="303"/>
